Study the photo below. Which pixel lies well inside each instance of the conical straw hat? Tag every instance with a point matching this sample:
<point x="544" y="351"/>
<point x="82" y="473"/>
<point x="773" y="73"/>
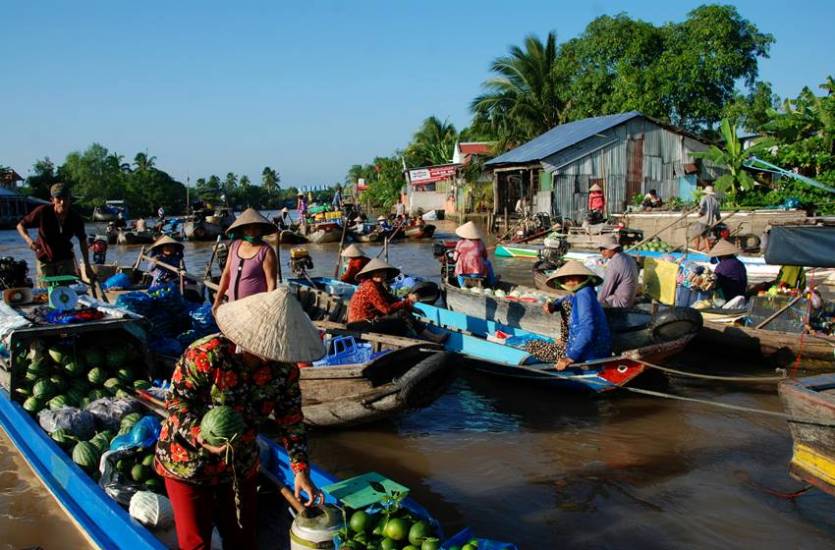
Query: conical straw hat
<point x="251" y="216"/>
<point x="381" y="218"/>
<point x="723" y="248"/>
<point x="468" y="231"/>
<point x="285" y="210"/>
<point x="595" y="187"/>
<point x="376" y="265"/>
<point x="572" y="267"/>
<point x="164" y="240"/>
<point x="353" y="251"/>
<point x="709" y="190"/>
<point x="271" y="325"/>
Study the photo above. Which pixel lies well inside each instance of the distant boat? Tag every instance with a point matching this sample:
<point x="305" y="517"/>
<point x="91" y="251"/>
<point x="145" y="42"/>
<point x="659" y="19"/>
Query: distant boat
<point x="110" y="211"/>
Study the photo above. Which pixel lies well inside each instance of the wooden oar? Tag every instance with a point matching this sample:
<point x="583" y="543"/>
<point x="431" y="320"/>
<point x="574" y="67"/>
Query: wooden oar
<point x="186" y="274"/>
<point x="208" y="272"/>
<point x="341" y="245"/>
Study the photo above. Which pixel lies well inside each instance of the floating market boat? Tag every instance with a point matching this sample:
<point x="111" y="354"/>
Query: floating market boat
<point x="374" y="236"/>
<point x="811" y="401"/>
<point x="199" y="227"/>
<point x="473" y="338"/>
<point x="130" y="236"/>
<point x="420" y="232"/>
<point x="287" y="236"/>
<point x="530" y="252"/>
<point x="754" y="342"/>
<point x="326" y="232"/>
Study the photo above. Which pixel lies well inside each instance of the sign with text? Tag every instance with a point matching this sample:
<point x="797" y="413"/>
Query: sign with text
<point x="422" y="176"/>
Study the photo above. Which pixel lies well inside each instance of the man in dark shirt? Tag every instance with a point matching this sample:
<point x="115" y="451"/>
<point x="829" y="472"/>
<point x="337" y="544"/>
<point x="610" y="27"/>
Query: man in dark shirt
<point x="57" y="224"/>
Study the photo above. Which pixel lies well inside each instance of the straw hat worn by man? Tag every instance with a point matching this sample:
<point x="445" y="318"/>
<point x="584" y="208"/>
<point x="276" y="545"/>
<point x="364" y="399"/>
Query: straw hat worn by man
<point x="250" y="366"/>
<point x="621" y="280"/>
<point x="57" y="224"/>
<point x="709" y="213"/>
<point x="731" y="277"/>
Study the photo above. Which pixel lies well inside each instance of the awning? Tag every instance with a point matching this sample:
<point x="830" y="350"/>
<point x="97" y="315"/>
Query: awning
<point x="805" y="245"/>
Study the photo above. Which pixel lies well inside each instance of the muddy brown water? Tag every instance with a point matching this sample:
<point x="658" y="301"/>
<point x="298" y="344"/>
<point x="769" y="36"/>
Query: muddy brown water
<point x="538" y="467"/>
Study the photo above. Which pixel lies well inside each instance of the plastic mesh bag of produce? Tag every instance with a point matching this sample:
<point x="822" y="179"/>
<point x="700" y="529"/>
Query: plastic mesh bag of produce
<point x="78" y="423"/>
<point x="125" y="472"/>
<point x="109" y="411"/>
<point x="151" y="510"/>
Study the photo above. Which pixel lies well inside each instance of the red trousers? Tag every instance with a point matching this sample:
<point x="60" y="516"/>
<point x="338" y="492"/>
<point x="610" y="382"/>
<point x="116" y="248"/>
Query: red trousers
<point x="197" y="508"/>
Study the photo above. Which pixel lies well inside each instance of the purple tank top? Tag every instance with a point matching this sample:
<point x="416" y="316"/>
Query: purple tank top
<point x="248" y="275"/>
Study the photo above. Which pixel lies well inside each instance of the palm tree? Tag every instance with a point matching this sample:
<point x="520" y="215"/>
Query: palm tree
<point x="270" y="180"/>
<point x="527" y="97"/>
<point x="144" y="162"/>
<point x="433" y="143"/>
<point x="732" y="158"/>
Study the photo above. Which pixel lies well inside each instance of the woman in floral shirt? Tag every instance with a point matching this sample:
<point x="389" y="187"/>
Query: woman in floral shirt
<point x="251" y="367"/>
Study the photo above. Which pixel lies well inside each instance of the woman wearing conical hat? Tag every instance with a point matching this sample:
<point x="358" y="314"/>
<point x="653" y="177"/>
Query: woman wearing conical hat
<point x="251" y="263"/>
<point x="597" y="202"/>
<point x="169" y="251"/>
<point x="731" y="276"/>
<point x="357" y="260"/>
<point x="585" y="332"/>
<point x="250" y="366"/>
<point x="373" y="308"/>
<point x="471" y="255"/>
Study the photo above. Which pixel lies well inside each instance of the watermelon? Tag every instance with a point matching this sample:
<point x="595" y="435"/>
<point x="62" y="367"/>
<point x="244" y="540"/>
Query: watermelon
<point x="93" y="357"/>
<point x="62" y="437"/>
<point x="59" y="381"/>
<point x="141" y="384"/>
<point x="33" y="405"/>
<point x="129" y="420"/>
<point x="115" y="357"/>
<point x="57" y="402"/>
<point x="74" y="369"/>
<point x="125" y="375"/>
<point x="101" y="442"/>
<point x="107" y="433"/>
<point x="86" y="455"/>
<point x="58" y="354"/>
<point x="38" y="368"/>
<point x="44" y="389"/>
<point x="23" y="392"/>
<point x="81" y="384"/>
<point x="111" y="384"/>
<point x="221" y="425"/>
<point x="96" y="376"/>
<point x="97" y="393"/>
<point x="32" y="377"/>
<point x="75" y="395"/>
<point x="83" y="403"/>
<point x="122" y="393"/>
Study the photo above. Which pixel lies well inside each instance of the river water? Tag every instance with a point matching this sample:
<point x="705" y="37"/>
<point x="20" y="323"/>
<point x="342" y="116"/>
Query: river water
<point x="537" y="467"/>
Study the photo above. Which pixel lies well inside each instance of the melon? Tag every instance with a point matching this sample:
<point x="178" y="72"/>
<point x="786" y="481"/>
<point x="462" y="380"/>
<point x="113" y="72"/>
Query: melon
<point x="221" y="425"/>
<point x="86" y="455"/>
<point x="38" y="368"/>
<point x="74" y="369"/>
<point x="96" y="376"/>
<point x="83" y="403"/>
<point x="57" y="355"/>
<point x="75" y="395"/>
<point x="62" y="437"/>
<point x="112" y="384"/>
<point x="59" y="381"/>
<point x="101" y="442"/>
<point x="125" y="375"/>
<point x="97" y="393"/>
<point x="44" y="389"/>
<point x="129" y="420"/>
<point x="93" y="357"/>
<point x="33" y="377"/>
<point x="57" y="402"/>
<point x="122" y="393"/>
<point x="33" y="405"/>
<point x="23" y="392"/>
<point x="141" y="384"/>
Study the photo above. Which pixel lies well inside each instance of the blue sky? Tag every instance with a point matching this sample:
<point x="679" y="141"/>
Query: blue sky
<point x="306" y="87"/>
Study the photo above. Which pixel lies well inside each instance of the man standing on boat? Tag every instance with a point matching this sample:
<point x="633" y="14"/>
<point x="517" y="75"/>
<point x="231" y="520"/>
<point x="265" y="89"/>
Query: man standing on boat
<point x="57" y="224"/>
<point x="621" y="279"/>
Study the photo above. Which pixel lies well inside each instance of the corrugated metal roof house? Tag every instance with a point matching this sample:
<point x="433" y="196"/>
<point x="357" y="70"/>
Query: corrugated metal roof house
<point x="627" y="154"/>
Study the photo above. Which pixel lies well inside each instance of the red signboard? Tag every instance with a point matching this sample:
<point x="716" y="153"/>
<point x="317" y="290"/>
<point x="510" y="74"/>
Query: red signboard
<point x="422" y="176"/>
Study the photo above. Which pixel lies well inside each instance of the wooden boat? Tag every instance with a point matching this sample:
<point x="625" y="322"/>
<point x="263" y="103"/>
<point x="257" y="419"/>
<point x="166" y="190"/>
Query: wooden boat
<point x="469" y="337"/>
<point x="530" y="252"/>
<point x="422" y="232"/>
<point x="761" y="343"/>
<point x="811" y="402"/>
<point x="285" y="236"/>
<point x="129" y="236"/>
<point x="328" y="232"/>
<point x="201" y="230"/>
<point x="408" y="374"/>
<point x="370" y="237"/>
<point x="101" y="519"/>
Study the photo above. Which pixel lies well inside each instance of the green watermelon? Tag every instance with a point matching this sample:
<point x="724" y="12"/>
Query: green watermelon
<point x="141" y="384"/>
<point x="101" y="442"/>
<point x="23" y="392"/>
<point x="111" y="384"/>
<point x="221" y="425"/>
<point x="107" y="433"/>
<point x="96" y="376"/>
<point x="32" y="377"/>
<point x="62" y="437"/>
<point x="38" y="368"/>
<point x="75" y="395"/>
<point x="86" y="455"/>
<point x="57" y="402"/>
<point x="93" y="358"/>
<point x="33" y="405"/>
<point x="124" y="430"/>
<point x="125" y="375"/>
<point x="115" y="357"/>
<point x="59" y="381"/>
<point x="97" y="393"/>
<point x="130" y="419"/>
<point x="57" y="354"/>
<point x="83" y="403"/>
<point x="44" y="389"/>
<point x="122" y="393"/>
<point x="74" y="369"/>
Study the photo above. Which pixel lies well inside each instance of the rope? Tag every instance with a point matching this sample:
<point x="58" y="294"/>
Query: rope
<point x="749" y="379"/>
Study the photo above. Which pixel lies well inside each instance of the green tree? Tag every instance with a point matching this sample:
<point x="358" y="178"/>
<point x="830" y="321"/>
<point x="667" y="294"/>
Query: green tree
<point x="433" y="143"/>
<point x="270" y="180"/>
<point x="732" y="157"/>
<point x="143" y="161"/>
<point x="528" y="95"/>
<point x="96" y="176"/>
<point x="42" y="177"/>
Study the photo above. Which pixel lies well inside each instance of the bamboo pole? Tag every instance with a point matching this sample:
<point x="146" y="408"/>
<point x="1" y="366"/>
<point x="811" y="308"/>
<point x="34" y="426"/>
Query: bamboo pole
<point x="779" y="312"/>
<point x="185" y="274"/>
<point x="208" y="273"/>
<point x="341" y="245"/>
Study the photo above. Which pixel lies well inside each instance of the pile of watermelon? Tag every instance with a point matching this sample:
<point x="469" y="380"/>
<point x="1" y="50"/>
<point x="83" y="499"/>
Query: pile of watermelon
<point x="139" y="468"/>
<point x="656" y="245"/>
<point x="62" y="375"/>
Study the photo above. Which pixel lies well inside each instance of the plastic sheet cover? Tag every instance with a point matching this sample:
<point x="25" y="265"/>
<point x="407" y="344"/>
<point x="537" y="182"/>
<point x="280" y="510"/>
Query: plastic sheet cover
<point x="810" y="246"/>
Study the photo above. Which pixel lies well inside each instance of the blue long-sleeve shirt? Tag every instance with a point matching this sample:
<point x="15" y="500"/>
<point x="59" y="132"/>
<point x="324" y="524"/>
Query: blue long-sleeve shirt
<point x="588" y="329"/>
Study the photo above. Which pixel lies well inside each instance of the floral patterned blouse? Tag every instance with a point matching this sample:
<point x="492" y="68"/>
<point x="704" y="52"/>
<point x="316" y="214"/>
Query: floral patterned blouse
<point x="211" y="373"/>
<point x="371" y="300"/>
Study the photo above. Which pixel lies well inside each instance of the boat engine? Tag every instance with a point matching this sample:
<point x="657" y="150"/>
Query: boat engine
<point x="300" y="261"/>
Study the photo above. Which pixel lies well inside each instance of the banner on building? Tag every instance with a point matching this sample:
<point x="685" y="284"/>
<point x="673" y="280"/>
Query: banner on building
<point x="422" y="176"/>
